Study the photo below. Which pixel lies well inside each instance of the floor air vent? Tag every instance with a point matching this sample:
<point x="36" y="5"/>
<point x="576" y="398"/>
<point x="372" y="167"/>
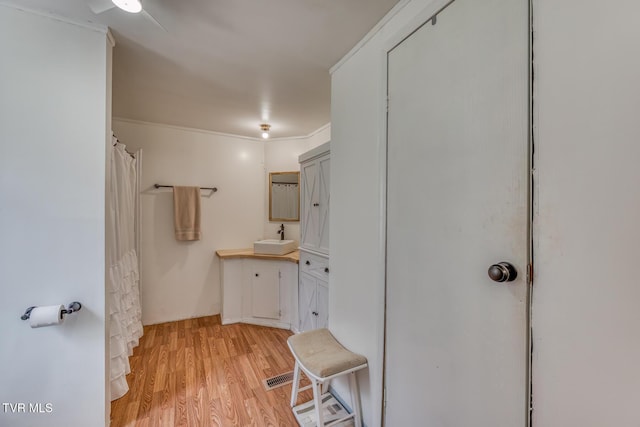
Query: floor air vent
<point x="278" y="380"/>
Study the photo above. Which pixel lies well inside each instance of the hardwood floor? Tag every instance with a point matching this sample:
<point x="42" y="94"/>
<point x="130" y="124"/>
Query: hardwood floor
<point x="196" y="372"/>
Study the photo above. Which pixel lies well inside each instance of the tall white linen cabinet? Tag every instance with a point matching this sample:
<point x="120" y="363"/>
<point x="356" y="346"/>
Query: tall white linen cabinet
<point x="313" y="279"/>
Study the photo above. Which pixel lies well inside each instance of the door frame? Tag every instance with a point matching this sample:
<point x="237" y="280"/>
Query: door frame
<point x="423" y="17"/>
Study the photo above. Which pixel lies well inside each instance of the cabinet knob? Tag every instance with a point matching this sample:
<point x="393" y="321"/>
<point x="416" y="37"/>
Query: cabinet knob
<point x="315" y="313"/>
<point x="308" y="263"/>
<point x="326" y="270"/>
<point x="257" y="275"/>
<point x="316" y="204"/>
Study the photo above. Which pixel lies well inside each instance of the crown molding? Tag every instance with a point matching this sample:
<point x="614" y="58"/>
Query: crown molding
<point x="211" y="132"/>
<point x="88" y="25"/>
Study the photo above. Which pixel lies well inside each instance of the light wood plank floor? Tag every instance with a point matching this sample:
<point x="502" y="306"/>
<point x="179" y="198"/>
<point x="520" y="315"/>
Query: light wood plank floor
<point x="197" y="372"/>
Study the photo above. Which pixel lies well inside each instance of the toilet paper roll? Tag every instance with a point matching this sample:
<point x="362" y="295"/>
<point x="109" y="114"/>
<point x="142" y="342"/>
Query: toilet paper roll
<point x="47" y="315"/>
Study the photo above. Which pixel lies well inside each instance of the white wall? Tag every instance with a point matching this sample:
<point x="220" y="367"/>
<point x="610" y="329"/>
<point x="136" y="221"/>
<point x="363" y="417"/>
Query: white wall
<point x="281" y="155"/>
<point x="181" y="279"/>
<point x="586" y="321"/>
<point x="52" y="179"/>
<point x="356" y="295"/>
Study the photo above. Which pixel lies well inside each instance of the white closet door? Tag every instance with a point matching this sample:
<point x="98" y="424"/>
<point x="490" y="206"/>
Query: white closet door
<point x="457" y="342"/>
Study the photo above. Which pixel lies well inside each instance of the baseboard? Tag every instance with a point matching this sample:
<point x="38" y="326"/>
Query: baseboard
<point x="229" y="321"/>
<point x="266" y="322"/>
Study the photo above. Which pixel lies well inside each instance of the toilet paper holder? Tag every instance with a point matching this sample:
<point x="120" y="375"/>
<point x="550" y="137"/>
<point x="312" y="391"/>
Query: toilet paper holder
<point x="72" y="308"/>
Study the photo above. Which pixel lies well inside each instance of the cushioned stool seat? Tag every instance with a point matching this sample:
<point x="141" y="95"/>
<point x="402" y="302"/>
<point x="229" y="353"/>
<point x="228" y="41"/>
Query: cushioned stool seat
<point x="321" y="357"/>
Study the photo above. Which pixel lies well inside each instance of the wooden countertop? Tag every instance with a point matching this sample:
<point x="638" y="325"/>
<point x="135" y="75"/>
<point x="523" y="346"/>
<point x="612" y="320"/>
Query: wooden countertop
<point x="248" y="253"/>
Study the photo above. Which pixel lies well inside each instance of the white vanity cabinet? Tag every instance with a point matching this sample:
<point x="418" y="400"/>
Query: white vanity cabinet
<point x="314" y="199"/>
<point x="313" y="280"/>
<point x="259" y="291"/>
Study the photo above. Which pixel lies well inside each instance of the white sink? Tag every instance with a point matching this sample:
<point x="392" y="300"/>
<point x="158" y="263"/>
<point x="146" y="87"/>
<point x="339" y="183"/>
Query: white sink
<point x="274" y="246"/>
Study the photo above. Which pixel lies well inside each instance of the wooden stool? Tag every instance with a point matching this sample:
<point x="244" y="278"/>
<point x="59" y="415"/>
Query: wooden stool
<point x="321" y="357"/>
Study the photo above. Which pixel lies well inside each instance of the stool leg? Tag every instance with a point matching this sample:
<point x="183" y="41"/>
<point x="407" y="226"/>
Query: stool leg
<point x="296" y="384"/>
<point x="317" y="397"/>
<point x="355" y="399"/>
<point x="325" y="386"/>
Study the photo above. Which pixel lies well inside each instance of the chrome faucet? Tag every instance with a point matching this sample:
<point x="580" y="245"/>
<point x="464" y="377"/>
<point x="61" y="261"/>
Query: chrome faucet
<point x="281" y="232"/>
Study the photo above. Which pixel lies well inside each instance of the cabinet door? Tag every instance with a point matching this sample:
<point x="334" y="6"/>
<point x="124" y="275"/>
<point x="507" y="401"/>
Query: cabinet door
<point x="324" y="182"/>
<point x="265" y="290"/>
<point x="322" y="304"/>
<point x="309" y="205"/>
<point x="307" y="302"/>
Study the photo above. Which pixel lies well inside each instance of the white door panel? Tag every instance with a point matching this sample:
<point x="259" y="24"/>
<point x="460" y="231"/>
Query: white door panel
<point x="309" y="233"/>
<point x="265" y="289"/>
<point x="324" y="184"/>
<point x="457" y="202"/>
<point x="307" y="300"/>
<point x="322" y="306"/>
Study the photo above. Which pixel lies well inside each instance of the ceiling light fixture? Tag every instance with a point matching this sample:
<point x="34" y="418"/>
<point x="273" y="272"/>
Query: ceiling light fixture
<point x="265" y="130"/>
<point x="131" y="6"/>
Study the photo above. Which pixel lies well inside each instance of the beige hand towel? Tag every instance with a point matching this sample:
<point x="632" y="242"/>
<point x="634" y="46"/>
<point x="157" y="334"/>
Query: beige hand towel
<point x="186" y="212"/>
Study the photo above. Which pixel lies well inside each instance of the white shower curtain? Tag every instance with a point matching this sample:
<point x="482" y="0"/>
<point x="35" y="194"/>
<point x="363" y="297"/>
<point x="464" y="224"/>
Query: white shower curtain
<point x="122" y="267"/>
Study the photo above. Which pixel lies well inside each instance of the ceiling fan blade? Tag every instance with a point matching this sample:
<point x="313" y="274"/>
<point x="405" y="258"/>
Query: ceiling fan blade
<point x="99" y="6"/>
<point x="154" y="20"/>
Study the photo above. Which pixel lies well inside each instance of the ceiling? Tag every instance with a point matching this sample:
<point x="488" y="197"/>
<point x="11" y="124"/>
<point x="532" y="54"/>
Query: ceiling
<point x="228" y="65"/>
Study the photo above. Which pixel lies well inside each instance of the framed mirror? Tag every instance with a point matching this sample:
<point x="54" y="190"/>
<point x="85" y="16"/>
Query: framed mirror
<point x="284" y="196"/>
